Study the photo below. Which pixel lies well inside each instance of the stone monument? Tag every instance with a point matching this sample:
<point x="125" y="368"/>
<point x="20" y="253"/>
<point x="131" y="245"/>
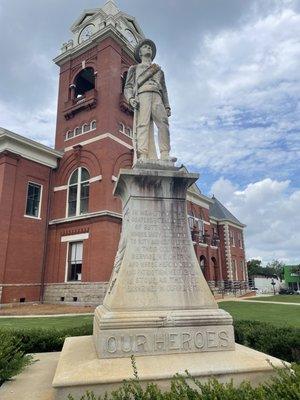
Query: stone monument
<point x="158" y="306"/>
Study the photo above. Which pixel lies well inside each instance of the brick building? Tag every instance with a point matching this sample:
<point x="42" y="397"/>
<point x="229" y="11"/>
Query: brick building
<point x="60" y="224"/>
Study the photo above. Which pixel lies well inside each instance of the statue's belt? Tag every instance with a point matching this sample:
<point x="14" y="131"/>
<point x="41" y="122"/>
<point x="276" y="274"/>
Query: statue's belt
<point x="147" y="74"/>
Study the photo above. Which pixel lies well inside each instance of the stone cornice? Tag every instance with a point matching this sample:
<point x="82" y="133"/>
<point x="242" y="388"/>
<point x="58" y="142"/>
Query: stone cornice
<point x="27" y="148"/>
<point x="104" y="213"/>
<point x="89" y="44"/>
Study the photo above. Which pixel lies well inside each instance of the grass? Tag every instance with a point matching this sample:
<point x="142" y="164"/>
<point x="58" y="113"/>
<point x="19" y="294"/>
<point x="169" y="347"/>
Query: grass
<point x="281" y="298"/>
<point x="45" y="322"/>
<point x="276" y="314"/>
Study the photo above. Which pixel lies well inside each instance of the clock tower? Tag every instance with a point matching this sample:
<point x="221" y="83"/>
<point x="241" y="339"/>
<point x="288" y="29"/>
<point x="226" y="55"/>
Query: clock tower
<point x="94" y="130"/>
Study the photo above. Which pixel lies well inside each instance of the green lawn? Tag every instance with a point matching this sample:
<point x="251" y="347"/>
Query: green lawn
<point x="48" y="322"/>
<point x="276" y="314"/>
<point x="281" y="298"/>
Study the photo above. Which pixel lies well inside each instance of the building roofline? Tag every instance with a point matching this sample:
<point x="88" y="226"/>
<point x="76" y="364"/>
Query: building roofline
<point x="226" y="220"/>
<point x="28" y="148"/>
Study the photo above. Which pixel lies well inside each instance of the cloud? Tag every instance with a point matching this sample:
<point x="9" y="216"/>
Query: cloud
<point x="241" y="110"/>
<point x="271" y="211"/>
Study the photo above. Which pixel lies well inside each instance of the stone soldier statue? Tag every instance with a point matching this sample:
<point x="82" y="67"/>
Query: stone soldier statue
<point x="146" y="92"/>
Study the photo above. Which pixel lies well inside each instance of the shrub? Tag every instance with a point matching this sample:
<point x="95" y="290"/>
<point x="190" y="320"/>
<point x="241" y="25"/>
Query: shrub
<point x="279" y="342"/>
<point x="46" y="340"/>
<point x="12" y="357"/>
<point x="285" y="385"/>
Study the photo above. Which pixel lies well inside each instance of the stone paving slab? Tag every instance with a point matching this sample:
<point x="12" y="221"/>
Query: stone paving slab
<point x="35" y="382"/>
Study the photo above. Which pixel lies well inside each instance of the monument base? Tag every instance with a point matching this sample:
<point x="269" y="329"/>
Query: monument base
<point x="79" y="369"/>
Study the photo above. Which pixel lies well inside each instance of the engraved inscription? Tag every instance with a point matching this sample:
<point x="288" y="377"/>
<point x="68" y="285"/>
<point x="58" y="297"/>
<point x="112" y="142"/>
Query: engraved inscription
<point x="168" y="341"/>
<point x="160" y="250"/>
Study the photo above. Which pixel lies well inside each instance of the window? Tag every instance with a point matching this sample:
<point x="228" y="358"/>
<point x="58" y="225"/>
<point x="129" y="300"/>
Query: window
<point x="121" y="127"/>
<point x="86" y="128"/>
<point x="128" y="131"/>
<point x="191" y="221"/>
<point x="75" y="261"/>
<point x="240" y="242"/>
<point x="69" y="134"/>
<point x="77" y="131"/>
<point x="78" y="194"/>
<point x="243" y="269"/>
<point x="234" y="270"/>
<point x="231" y="235"/>
<point x="84" y="82"/>
<point x="33" y="203"/>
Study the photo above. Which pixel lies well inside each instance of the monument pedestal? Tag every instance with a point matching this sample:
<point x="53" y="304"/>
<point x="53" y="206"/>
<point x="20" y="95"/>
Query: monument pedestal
<point x="79" y="368"/>
<point x="158" y="306"/>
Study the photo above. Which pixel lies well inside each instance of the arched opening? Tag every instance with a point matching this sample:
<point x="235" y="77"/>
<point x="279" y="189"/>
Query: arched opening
<point x="202" y="262"/>
<point x="215" y="269"/>
<point x="78" y="193"/>
<point x="84" y="82"/>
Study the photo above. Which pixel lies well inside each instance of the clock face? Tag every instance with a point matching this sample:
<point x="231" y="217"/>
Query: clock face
<point x="130" y="37"/>
<point x="86" y="33"/>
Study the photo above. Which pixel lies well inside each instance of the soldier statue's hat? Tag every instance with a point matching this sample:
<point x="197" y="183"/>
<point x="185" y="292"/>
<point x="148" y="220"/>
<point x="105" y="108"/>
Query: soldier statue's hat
<point x="140" y="44"/>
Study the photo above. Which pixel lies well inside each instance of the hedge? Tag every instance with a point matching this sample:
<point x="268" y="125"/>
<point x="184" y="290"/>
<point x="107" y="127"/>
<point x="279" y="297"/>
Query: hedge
<point x="283" y="343"/>
<point x="284" y="386"/>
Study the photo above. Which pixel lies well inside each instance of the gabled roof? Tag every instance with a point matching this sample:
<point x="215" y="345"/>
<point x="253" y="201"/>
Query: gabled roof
<point x="86" y="14"/>
<point x="219" y="212"/>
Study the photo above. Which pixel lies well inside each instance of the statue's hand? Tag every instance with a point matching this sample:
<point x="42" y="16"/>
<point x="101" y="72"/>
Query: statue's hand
<point x="134" y="103"/>
<point x="168" y="110"/>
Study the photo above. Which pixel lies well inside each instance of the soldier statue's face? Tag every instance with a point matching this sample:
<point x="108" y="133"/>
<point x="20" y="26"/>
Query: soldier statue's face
<point x="146" y="51"/>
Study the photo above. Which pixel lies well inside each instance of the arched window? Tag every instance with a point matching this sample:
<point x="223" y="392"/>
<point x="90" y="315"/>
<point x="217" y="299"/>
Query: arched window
<point x="77" y="131"/>
<point x="121" y="127"/>
<point x="84" y="82"/>
<point x="93" y="125"/>
<point x="78" y="193"/>
<point x="85" y="128"/>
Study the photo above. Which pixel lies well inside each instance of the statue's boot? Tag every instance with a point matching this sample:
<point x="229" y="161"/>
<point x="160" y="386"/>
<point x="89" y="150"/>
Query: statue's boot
<point x="165" y="156"/>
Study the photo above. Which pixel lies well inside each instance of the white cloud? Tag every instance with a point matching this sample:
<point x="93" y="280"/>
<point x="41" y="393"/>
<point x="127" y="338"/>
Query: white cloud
<point x="35" y="124"/>
<point x="242" y="108"/>
<point x="271" y="211"/>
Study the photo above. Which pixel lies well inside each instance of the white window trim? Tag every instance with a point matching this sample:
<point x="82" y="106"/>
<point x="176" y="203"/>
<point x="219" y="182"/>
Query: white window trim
<point x="70" y="239"/>
<point x="75" y="238"/>
<point x="65" y="187"/>
<point x="78" y="192"/>
<point x="40" y="204"/>
<point x="82" y="132"/>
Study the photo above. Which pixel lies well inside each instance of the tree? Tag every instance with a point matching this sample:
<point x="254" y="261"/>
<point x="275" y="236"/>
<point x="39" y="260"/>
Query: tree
<point x="275" y="267"/>
<point x="254" y="267"/>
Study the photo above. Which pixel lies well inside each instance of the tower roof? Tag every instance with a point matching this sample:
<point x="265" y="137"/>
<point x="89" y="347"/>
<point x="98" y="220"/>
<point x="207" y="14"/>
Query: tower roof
<point x="218" y="211"/>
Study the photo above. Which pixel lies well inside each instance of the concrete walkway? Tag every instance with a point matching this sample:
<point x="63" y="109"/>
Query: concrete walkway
<point x="35" y="382"/>
<point x="46" y="315"/>
<point x="268" y="302"/>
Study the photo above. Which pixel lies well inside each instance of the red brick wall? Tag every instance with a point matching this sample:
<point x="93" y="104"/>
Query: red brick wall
<point x="109" y="61"/>
<point x="22" y="238"/>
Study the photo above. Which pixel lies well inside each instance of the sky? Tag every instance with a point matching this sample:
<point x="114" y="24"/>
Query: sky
<point x="233" y="75"/>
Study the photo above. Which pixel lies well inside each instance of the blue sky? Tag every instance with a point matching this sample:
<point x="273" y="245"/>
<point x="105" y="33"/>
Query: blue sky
<point x="233" y="74"/>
